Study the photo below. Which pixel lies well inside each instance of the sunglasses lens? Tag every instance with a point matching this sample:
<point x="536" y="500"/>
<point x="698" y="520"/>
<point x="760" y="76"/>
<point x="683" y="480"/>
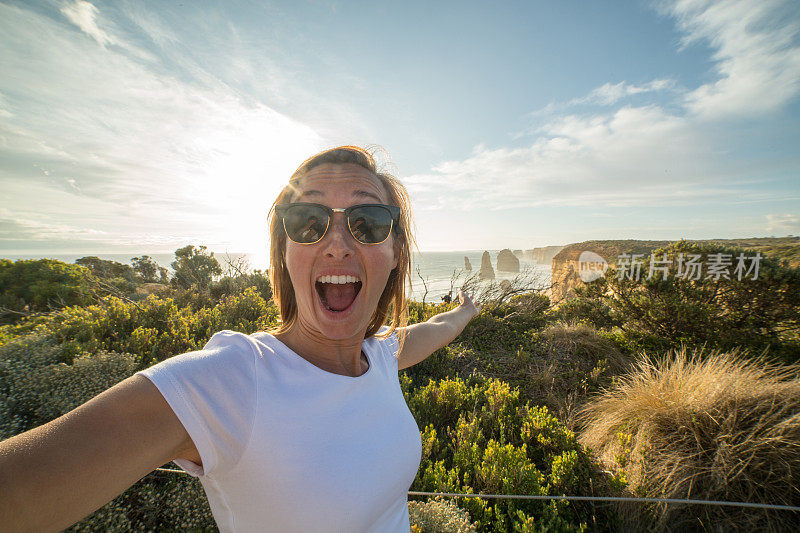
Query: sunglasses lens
<point x="370" y="224"/>
<point x="305" y="224"/>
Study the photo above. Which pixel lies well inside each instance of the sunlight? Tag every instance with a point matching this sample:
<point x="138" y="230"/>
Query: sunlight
<point x="245" y="162"/>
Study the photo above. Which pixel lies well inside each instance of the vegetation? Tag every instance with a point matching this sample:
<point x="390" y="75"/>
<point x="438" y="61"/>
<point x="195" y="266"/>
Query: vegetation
<point x="195" y="267"/>
<point x="715" y="427"/>
<point x="439" y="516"/>
<point x="663" y="388"/>
<point x="31" y="286"/>
<point x="667" y="312"/>
<point x="149" y="271"/>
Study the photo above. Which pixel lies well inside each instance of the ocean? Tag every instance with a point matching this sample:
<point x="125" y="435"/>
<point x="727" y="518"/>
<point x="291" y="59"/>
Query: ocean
<point x="438" y="269"/>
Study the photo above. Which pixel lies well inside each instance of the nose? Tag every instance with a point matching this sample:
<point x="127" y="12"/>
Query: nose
<point x="338" y="243"/>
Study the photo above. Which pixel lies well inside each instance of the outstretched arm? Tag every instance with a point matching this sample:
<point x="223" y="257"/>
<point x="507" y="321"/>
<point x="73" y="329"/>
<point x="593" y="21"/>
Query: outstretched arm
<point x="56" y="474"/>
<point x="425" y="338"/>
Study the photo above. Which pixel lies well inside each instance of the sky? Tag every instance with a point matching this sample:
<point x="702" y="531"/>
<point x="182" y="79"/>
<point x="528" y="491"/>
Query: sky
<point x="136" y="127"/>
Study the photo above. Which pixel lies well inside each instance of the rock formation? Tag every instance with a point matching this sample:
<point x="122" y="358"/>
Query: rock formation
<point x="543" y="256"/>
<point x="507" y="261"/>
<point x="467" y="265"/>
<point x="565" y="268"/>
<point x="486" y="272"/>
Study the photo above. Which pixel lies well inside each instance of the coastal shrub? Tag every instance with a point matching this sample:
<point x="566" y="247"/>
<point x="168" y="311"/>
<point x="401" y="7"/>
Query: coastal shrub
<point x="707" y="426"/>
<point x="195" y="268"/>
<point x="40" y="285"/>
<point x="231" y="285"/>
<point x="154" y="329"/>
<point x="148" y="270"/>
<point x="439" y="515"/>
<point x="480" y="436"/>
<point x="491" y="334"/>
<point x="106" y="269"/>
<point x="37" y="386"/>
<point x="587" y="307"/>
<point x="227" y="286"/>
<point x="161" y="501"/>
<point x="663" y="312"/>
<point x="20" y="391"/>
<point x="417" y="312"/>
<point x="557" y="366"/>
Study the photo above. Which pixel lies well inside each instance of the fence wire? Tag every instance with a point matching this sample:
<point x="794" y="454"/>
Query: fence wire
<point x="585" y="498"/>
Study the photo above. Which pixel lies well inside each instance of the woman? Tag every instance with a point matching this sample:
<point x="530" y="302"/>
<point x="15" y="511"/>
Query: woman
<point x="304" y="429"/>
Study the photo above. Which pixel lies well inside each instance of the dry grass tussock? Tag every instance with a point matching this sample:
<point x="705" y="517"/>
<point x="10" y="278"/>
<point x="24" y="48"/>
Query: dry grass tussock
<point x="716" y="427"/>
<point x="575" y="362"/>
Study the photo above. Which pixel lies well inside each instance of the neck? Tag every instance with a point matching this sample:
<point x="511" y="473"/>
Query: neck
<point x="338" y="356"/>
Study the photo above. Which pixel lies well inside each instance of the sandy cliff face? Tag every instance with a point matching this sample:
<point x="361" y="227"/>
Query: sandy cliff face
<point x="566" y="265"/>
<point x="543" y="256"/>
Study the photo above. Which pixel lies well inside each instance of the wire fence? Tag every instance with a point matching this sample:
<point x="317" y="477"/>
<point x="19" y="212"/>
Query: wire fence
<point x="586" y="498"/>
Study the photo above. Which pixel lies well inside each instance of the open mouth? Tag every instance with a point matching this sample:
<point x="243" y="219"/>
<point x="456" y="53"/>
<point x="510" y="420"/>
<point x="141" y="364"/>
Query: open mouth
<point x="337" y="293"/>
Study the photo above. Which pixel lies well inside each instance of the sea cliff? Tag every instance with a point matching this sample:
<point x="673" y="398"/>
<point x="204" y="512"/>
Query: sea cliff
<point x="565" y="274"/>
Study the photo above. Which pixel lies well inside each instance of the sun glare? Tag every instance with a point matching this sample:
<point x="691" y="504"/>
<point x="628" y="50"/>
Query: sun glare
<point x="243" y="165"/>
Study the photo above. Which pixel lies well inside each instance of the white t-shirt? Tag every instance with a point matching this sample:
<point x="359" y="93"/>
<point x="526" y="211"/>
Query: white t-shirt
<point x="287" y="446"/>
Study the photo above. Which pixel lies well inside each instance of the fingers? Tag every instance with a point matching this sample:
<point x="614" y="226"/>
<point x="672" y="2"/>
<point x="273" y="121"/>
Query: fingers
<point x="466" y="299"/>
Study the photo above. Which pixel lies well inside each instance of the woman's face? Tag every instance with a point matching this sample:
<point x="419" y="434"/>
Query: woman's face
<point x="334" y="310"/>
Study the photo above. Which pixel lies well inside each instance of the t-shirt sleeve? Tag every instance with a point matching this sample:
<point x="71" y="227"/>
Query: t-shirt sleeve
<point x="213" y="393"/>
<point x="390" y="344"/>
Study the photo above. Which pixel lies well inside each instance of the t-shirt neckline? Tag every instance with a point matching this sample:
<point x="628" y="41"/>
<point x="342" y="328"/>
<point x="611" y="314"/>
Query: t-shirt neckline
<point x="312" y="365"/>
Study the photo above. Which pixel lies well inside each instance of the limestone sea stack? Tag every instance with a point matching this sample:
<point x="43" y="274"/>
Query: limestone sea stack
<point x="467" y="265"/>
<point x="507" y="261"/>
<point x="486" y="272"/>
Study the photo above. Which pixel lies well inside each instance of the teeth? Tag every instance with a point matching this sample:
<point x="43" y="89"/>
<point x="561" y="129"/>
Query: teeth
<point x="339" y="280"/>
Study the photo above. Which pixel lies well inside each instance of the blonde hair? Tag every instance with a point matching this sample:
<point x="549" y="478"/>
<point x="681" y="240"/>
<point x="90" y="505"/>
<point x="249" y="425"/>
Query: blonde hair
<point x="393" y="301"/>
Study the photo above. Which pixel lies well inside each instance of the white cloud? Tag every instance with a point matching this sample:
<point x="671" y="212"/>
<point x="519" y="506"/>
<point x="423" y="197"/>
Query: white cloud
<point x="83" y="15"/>
<point x="634" y="155"/>
<point x="162" y="154"/>
<point x="608" y="94"/>
<point x="756" y="52"/>
<point x="642" y="154"/>
<point x="783" y="224"/>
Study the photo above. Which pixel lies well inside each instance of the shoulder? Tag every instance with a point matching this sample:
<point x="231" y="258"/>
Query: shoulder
<point x="226" y="353"/>
<point x="232" y="342"/>
<point x="388" y="343"/>
<point x="214" y="393"/>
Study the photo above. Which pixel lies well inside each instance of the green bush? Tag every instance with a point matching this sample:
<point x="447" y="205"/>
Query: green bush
<point x="662" y="313"/>
<point x="32" y="286"/>
<point x="438" y="515"/>
<point x="153" y="329"/>
<point x="37" y="386"/>
<point x="161" y="501"/>
<point x="479" y="436"/>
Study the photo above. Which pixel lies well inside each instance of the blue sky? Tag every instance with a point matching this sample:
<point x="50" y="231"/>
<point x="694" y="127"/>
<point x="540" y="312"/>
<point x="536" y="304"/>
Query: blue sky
<point x="144" y="126"/>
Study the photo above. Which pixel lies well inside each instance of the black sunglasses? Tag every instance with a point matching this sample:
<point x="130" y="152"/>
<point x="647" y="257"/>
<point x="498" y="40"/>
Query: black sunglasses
<point x="307" y="223"/>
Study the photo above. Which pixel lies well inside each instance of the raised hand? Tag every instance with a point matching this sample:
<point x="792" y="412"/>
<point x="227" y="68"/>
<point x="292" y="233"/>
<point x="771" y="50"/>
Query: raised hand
<point x="466" y="302"/>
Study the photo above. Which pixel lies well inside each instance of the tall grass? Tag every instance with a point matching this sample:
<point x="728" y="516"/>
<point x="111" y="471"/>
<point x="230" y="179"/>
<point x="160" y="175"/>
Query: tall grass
<point x="714" y="426"/>
<point x="575" y="361"/>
